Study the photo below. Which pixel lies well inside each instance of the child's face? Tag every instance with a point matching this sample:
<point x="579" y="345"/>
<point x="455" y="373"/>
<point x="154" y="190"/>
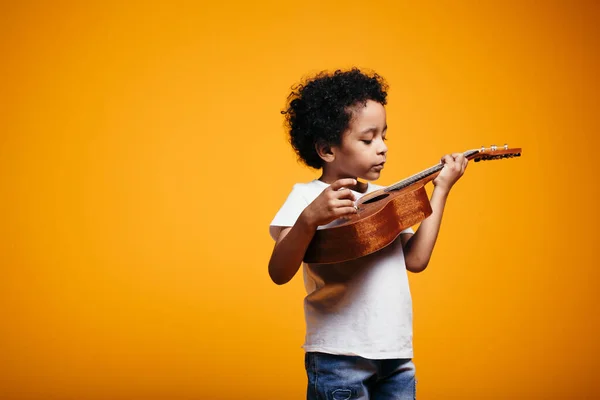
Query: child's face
<point x="362" y="152"/>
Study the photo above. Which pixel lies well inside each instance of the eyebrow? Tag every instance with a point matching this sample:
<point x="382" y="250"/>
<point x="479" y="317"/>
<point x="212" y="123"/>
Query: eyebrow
<point x="373" y="128"/>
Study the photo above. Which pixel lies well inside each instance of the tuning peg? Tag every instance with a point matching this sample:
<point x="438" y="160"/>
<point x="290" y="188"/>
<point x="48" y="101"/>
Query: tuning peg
<point x="505" y="146"/>
<point x="494" y="147"/>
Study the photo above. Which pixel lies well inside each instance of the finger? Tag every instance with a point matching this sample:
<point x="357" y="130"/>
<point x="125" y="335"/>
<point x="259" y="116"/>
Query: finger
<point x="448" y="162"/>
<point x="447" y="159"/>
<point x="459" y="162"/>
<point x="340" y="183"/>
<point x="344" y="203"/>
<point x="341" y="212"/>
<point x="344" y="194"/>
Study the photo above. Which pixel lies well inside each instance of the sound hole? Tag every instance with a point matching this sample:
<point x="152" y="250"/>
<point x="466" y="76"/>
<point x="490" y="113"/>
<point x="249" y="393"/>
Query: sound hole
<point x="376" y="198"/>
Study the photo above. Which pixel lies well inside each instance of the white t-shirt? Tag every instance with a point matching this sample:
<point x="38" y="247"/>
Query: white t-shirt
<point x="360" y="307"/>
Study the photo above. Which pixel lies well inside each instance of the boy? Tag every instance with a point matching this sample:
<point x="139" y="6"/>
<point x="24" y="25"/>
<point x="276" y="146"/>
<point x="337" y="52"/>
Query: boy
<point x="358" y="313"/>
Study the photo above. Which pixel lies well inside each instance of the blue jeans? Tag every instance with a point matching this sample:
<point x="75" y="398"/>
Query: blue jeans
<point x="334" y="377"/>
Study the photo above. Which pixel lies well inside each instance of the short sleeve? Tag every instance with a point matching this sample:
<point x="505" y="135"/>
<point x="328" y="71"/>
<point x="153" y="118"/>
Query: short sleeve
<point x="408" y="230"/>
<point x="289" y="211"/>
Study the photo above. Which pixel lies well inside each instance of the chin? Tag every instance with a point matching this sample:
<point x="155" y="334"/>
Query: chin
<point x="371" y="176"/>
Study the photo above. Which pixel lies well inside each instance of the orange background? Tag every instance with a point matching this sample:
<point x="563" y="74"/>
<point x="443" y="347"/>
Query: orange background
<point x="142" y="157"/>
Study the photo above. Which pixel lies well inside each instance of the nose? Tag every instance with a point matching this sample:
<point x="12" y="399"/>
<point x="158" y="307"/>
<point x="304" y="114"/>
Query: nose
<point x="382" y="149"/>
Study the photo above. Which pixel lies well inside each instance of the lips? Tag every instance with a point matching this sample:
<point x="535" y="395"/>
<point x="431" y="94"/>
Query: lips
<point x="379" y="166"/>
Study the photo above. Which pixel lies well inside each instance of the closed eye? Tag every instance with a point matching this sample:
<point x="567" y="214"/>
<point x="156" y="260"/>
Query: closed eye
<point x="366" y="141"/>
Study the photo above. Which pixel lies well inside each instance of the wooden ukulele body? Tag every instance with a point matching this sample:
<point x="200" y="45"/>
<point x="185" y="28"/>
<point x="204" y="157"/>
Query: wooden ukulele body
<point x="380" y="219"/>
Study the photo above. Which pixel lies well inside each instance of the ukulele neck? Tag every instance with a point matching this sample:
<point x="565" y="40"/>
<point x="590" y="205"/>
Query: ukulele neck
<point x="426" y="175"/>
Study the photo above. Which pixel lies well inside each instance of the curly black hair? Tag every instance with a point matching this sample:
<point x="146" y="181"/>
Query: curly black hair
<point x="320" y="109"/>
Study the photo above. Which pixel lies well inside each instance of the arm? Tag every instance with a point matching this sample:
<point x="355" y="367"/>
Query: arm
<point x="419" y="247"/>
<point x="292" y="242"/>
<point x="289" y="250"/>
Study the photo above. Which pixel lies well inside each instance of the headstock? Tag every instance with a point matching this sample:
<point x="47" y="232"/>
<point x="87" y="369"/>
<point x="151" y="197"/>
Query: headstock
<point x="492" y="153"/>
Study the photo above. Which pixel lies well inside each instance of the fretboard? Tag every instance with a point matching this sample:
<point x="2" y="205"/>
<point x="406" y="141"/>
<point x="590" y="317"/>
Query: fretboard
<point x="423" y="174"/>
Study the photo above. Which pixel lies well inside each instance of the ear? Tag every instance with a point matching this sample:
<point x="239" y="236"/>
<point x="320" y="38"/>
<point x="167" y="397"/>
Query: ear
<point x="325" y="151"/>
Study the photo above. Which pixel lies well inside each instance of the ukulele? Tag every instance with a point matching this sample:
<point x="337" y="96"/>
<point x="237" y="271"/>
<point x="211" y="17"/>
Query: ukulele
<point x="384" y="213"/>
